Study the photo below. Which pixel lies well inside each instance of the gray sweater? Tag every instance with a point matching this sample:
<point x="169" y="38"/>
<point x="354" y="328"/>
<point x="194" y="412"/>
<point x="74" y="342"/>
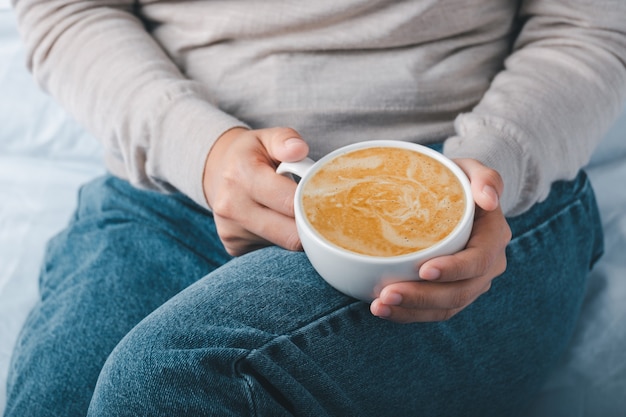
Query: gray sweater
<point x="528" y="88"/>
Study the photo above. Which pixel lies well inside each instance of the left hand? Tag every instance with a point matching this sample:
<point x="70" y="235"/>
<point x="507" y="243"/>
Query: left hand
<point x="252" y="205"/>
<point x="451" y="283"/>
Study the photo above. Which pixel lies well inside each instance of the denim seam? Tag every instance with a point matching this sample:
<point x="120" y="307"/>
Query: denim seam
<point x="252" y="406"/>
<point x="315" y="321"/>
<point x="246" y="378"/>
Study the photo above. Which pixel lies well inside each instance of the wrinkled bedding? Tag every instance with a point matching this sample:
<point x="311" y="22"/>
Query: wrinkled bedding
<point x="45" y="157"/>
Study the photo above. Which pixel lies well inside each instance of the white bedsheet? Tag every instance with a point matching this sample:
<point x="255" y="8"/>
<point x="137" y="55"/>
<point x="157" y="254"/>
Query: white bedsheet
<point x="45" y="156"/>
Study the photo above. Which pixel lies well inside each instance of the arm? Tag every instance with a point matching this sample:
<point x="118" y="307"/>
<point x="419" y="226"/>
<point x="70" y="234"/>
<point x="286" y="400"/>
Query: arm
<point x="561" y="88"/>
<point x="97" y="59"/>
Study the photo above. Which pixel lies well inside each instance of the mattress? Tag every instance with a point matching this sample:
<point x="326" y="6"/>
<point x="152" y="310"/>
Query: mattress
<point x="45" y="156"/>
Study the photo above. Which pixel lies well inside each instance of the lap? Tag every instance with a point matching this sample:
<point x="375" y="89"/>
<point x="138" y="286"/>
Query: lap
<point x="264" y="333"/>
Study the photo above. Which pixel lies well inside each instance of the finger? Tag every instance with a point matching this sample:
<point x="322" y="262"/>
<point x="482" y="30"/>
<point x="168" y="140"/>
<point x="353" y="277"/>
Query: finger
<point x="240" y="244"/>
<point x="236" y="240"/>
<point x="266" y="187"/>
<point x="487" y="185"/>
<point x="415" y="302"/>
<point x="434" y="296"/>
<point x="284" y="144"/>
<point x="255" y="223"/>
<point x="238" y="212"/>
<point x="466" y="265"/>
<point x="278" y="229"/>
<point x="404" y="315"/>
<point x="272" y="190"/>
<point x="485" y="252"/>
<point x="272" y="226"/>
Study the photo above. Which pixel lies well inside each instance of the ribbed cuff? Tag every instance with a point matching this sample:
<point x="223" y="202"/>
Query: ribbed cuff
<point x="499" y="150"/>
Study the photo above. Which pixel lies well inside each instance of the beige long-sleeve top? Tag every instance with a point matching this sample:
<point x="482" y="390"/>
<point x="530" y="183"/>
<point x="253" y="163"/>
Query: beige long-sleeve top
<point x="525" y="87"/>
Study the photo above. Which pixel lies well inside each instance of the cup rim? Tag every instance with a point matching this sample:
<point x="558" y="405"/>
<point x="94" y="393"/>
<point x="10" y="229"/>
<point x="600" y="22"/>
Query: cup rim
<point x="468" y="213"/>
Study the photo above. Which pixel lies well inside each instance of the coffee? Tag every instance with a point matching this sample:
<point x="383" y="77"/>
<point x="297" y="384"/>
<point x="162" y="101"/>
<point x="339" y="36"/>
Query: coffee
<point x="383" y="201"/>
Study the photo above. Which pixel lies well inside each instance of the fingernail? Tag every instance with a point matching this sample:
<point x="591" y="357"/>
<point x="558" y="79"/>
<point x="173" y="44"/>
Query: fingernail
<point x="491" y="192"/>
<point x="391" y="299"/>
<point x="382" y="311"/>
<point x="293" y="142"/>
<point x="430" y="273"/>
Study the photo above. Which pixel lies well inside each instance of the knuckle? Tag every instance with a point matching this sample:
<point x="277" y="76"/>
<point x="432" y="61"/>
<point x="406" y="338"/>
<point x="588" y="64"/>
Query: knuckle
<point x="448" y="314"/>
<point x="287" y="204"/>
<point x="293" y="242"/>
<point x="417" y="300"/>
<point x="502" y="266"/>
<point x="495" y="178"/>
<point x="231" y="175"/>
<point x="233" y="244"/>
<point x="229" y="240"/>
<point x="483" y="264"/>
<point x="232" y="241"/>
<point x="486" y="288"/>
<point x="462" y="298"/>
<point x="223" y="207"/>
<point x="230" y="245"/>
<point x="286" y="132"/>
<point x="507" y="234"/>
<point x="233" y="251"/>
<point x="225" y="204"/>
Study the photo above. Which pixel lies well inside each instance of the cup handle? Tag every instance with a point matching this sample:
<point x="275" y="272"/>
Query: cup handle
<point x="299" y="168"/>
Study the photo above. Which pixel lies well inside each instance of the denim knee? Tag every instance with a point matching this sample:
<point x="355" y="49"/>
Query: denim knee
<point x="145" y="377"/>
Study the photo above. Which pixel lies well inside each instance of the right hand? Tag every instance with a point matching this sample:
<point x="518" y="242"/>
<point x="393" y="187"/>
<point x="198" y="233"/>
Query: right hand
<point x="252" y="205"/>
<point x="450" y="283"/>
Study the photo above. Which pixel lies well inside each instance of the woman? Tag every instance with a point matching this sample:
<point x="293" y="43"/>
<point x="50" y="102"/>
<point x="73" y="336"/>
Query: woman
<point x="179" y="287"/>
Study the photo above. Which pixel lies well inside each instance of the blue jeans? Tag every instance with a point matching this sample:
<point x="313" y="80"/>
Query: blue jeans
<point x="143" y="313"/>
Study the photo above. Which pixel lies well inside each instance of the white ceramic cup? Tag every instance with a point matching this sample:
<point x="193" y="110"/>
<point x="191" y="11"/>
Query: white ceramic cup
<point x="364" y="276"/>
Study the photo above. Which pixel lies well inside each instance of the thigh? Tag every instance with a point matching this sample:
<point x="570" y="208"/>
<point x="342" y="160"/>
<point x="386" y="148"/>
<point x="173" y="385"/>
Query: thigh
<point x="124" y="253"/>
<point x="264" y="335"/>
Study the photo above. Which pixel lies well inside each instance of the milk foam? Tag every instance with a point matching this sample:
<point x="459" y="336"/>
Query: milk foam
<point x="383" y="201"/>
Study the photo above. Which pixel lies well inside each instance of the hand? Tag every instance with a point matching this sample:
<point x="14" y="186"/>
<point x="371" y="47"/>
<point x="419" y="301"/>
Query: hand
<point x="252" y="205"/>
<point x="451" y="283"/>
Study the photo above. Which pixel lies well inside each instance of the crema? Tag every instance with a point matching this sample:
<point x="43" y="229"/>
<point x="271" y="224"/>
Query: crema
<point x="383" y="201"/>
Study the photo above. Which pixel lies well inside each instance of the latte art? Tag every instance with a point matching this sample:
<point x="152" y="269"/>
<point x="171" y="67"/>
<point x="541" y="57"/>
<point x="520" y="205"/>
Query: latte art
<point x="383" y="201"/>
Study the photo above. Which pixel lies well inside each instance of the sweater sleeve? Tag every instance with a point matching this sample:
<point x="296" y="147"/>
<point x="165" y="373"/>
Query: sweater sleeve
<point x="97" y="59"/>
<point x="559" y="91"/>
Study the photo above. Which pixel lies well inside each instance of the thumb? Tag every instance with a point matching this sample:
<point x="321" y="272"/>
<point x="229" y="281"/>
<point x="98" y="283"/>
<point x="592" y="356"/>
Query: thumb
<point x="487" y="185"/>
<point x="284" y="144"/>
